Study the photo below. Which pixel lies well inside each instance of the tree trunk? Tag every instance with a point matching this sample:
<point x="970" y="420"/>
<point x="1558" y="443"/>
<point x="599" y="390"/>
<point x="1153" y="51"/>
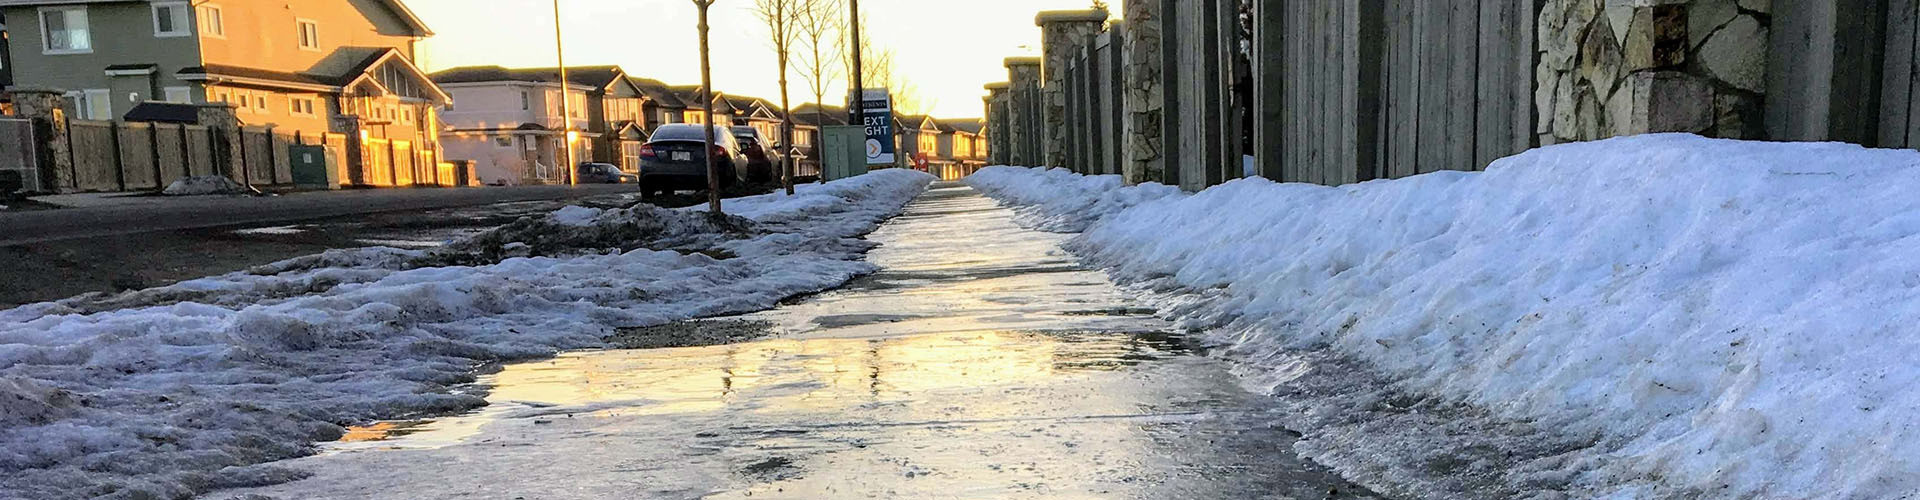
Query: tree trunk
<point x="786" y="129"/>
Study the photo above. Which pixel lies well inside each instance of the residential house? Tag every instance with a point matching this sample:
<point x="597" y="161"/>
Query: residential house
<point x="959" y="140"/>
<point x="306" y="67"/>
<point x="809" y="122"/>
<point x="723" y="110"/>
<point x="757" y="113"/>
<point x="662" y="105"/>
<point x="919" y="138"/>
<point x="508" y="121"/>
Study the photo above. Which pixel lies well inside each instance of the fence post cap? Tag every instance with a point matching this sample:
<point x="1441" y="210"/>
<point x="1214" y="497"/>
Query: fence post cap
<point x="1070" y="16"/>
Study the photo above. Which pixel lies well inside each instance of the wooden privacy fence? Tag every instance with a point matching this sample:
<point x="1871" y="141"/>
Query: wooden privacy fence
<point x="1096" y="107"/>
<point x="1352" y="91"/>
<point x="132" y="156"/>
<point x="135" y="156"/>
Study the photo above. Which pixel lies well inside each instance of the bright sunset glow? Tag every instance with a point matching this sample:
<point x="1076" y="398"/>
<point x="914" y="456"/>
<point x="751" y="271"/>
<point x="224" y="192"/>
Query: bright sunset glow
<point x="948" y="49"/>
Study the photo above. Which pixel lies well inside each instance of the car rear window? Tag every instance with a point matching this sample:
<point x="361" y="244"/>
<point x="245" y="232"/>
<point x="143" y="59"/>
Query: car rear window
<point x="687" y="133"/>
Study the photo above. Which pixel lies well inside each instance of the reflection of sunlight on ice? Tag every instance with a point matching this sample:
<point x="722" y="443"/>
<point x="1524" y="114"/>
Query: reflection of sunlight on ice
<point x="827" y="375"/>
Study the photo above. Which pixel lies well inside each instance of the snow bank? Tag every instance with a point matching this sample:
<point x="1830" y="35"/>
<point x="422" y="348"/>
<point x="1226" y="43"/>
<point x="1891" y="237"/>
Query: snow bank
<point x="202" y="186"/>
<point x="176" y="390"/>
<point x="1723" y="319"/>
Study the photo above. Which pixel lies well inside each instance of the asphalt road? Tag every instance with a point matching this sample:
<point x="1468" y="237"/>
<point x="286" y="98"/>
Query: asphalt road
<point x="54" y="254"/>
<point x="157" y="214"/>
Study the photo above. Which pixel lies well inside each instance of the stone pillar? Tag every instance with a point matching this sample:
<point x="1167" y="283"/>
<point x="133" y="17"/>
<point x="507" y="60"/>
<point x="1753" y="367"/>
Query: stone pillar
<point x="353" y="156"/>
<point x="223" y="128"/>
<point x="1063" y="36"/>
<point x="1145" y="98"/>
<point x="997" y="127"/>
<point x="1613" y="67"/>
<point x="47" y="109"/>
<point x="1024" y="112"/>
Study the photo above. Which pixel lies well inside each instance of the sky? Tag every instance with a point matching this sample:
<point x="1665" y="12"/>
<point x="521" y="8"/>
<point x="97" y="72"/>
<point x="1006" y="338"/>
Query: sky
<point x="947" y="49"/>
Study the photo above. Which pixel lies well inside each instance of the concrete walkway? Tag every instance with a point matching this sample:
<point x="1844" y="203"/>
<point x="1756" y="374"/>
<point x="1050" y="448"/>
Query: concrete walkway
<point x="101" y="215"/>
<point x="982" y="362"/>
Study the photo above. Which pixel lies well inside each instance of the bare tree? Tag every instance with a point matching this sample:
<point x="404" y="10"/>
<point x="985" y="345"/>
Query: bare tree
<point x="822" y="25"/>
<point x="783" y="20"/>
<point x="706" y="96"/>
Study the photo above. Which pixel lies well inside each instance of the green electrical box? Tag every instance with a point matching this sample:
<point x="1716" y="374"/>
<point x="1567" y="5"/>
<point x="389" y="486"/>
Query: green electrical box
<point x="846" y="152"/>
<point x="312" y="169"/>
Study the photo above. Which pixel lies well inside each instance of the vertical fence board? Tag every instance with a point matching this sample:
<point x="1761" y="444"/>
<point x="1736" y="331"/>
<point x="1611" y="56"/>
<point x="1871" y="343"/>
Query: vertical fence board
<point x="136" y="155"/>
<point x="1492" y="88"/>
<point x="1463" y="22"/>
<point x="1897" y="97"/>
<point x="94" y="157"/>
<point x="197" y="144"/>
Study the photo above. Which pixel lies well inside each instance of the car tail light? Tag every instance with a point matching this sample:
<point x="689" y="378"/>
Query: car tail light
<point x="720" y="152"/>
<point x="646" y="151"/>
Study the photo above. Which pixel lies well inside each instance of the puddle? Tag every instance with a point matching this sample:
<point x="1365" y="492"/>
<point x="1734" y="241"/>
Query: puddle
<point x="981" y="362"/>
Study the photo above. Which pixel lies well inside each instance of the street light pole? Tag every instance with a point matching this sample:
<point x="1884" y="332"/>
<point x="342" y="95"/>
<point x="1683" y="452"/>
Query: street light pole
<point x="566" y="103"/>
<point x="706" y="98"/>
<point x="859" y="103"/>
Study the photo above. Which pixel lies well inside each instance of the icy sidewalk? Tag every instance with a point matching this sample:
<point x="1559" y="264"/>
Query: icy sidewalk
<point x="171" y="391"/>
<point x="1708" y="318"/>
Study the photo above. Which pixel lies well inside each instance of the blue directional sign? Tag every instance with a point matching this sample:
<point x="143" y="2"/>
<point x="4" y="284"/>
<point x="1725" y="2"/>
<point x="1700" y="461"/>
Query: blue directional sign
<point x="878" y="104"/>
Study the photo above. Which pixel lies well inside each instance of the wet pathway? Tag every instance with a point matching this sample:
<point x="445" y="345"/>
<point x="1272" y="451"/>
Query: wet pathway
<point x="983" y="362"/>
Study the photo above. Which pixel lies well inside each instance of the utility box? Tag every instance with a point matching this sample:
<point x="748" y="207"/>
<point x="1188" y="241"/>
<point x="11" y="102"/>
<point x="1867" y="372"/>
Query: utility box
<point x="845" y="149"/>
<point x="312" y="169"/>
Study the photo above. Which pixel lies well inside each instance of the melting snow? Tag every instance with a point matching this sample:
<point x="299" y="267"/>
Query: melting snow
<point x="171" y="391"/>
<point x="1719" y="318"/>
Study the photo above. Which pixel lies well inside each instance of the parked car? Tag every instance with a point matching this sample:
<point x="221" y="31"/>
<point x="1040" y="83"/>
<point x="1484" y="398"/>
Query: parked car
<point x="765" y="159"/>
<point x="605" y="173"/>
<point x="673" y="160"/>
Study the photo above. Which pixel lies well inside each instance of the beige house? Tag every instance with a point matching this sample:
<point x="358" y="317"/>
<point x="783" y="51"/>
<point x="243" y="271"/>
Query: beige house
<point x="508" y="121"/>
<point x="343" y="68"/>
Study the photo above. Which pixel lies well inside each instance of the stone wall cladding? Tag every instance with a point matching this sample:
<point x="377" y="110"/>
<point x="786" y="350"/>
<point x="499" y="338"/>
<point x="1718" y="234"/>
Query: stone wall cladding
<point x="1621" y="67"/>
<point x="1063" y="35"/>
<point x="1143" y="95"/>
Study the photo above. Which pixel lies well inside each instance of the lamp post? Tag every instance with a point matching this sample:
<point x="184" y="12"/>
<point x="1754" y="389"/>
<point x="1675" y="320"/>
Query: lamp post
<point x="566" y="103"/>
<point x="706" y="99"/>
<point x="859" y="104"/>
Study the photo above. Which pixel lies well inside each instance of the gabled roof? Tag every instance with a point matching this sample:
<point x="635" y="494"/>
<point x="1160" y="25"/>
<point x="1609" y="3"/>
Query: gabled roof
<point x="918" y="122"/>
<point x="598" y="77"/>
<point x="658" y="92"/>
<point x="331" y="75"/>
<point x="968" y="125"/>
<point x="690" y="94"/>
<point x="830" y="116"/>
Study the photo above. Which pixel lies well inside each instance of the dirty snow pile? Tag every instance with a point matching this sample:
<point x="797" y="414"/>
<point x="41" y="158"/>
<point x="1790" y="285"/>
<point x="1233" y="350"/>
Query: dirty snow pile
<point x="1716" y="318"/>
<point x="167" y="392"/>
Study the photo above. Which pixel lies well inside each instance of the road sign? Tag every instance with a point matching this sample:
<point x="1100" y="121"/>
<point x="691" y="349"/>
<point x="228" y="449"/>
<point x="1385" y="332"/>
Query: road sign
<point x="878" y="107"/>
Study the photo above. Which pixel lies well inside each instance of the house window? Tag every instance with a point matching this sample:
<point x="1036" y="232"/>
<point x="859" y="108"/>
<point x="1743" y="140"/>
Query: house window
<point x="65" y="30"/>
<point x="526" y="101"/>
<point x="170" y="20"/>
<point x="302" y="106"/>
<point x="92" y="104"/>
<point x="181" y="95"/>
<point x="260" y="103"/>
<point x="213" y="21"/>
<point x="503" y="141"/>
<point x="309" y="35"/>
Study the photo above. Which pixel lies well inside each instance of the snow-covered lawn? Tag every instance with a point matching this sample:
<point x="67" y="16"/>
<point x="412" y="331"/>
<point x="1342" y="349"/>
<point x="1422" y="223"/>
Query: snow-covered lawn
<point x="166" y="392"/>
<point x="1721" y="319"/>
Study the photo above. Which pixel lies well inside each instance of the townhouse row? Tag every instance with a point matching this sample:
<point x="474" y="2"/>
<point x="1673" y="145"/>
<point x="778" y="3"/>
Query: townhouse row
<point x="343" y="74"/>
